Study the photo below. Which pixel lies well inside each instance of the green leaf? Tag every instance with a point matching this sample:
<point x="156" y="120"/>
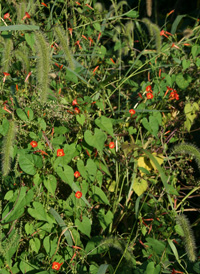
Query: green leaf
<point x="82" y="169"/>
<point x="179" y="230"/>
<point x="58" y="140"/>
<point x="80" y="119"/>
<point x="103" y="268"/>
<point x="42" y="123"/>
<point x="19" y="201"/>
<point x="27" y="163"/>
<point x="46" y="244"/>
<point x="4" y="127"/>
<point x="185" y="64"/>
<point x="105" y="124"/>
<point x="105" y="219"/>
<point x="140" y="186"/>
<point x="146" y="125"/>
<point x="70" y="152"/>
<point x="183" y="81"/>
<point x="152" y="126"/>
<point x="169" y="188"/>
<point x="132" y="14"/>
<point x="37" y="161"/>
<point x="21" y="114"/>
<point x="29" y="228"/>
<point x="198" y="62"/>
<point x="27" y="267"/>
<point x="33" y="136"/>
<point x="190" y="112"/>
<point x="97" y="26"/>
<point x="94" y="246"/>
<point x="30" y="39"/>
<point x="150" y="268"/>
<point x="66" y="173"/>
<point x="102" y="167"/>
<point x="8" y="195"/>
<point x="50" y="183"/>
<point x="31" y="115"/>
<point x="97" y="191"/>
<point x="195" y="50"/>
<point x="173" y="248"/>
<point x="71" y="76"/>
<point x="176" y="23"/>
<point x="39" y="213"/>
<point x="84" y="226"/>
<point x="60" y="130"/>
<point x="156" y="245"/>
<point x="97" y="140"/>
<point x="19" y="27"/>
<point x="44" y="272"/>
<point x="62" y="225"/>
<point x="34" y="244"/>
<point x="91" y="169"/>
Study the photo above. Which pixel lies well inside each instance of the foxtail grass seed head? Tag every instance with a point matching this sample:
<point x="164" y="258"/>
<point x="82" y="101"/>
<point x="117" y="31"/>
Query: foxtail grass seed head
<point x="149" y="7"/>
<point x="7" y="148"/>
<point x="189" y="240"/>
<point x="43" y="65"/>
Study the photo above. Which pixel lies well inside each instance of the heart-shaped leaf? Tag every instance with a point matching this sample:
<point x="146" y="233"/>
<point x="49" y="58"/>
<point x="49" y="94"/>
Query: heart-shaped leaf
<point x="97" y="140"/>
<point x="140" y="186"/>
<point x="105" y="124"/>
<point x="84" y="226"/>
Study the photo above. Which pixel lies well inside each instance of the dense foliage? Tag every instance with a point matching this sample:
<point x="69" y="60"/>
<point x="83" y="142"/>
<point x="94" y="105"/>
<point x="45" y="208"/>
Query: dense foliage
<point x="99" y="161"/>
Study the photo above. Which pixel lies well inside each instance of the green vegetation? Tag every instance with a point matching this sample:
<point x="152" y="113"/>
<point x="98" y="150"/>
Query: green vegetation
<point x="99" y="163"/>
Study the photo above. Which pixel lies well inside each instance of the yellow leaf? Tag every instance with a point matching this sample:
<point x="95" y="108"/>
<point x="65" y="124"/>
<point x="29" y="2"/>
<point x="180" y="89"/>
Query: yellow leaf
<point x="140" y="186"/>
<point x="159" y="158"/>
<point x="112" y="186"/>
<point x="146" y="163"/>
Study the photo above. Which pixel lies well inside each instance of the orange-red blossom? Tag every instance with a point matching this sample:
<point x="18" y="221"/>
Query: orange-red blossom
<point x="27" y="15"/>
<point x="56" y="265"/>
<point x="7" y="16"/>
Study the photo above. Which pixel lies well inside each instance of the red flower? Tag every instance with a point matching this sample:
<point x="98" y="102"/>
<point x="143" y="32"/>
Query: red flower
<point x="148" y="89"/>
<point x="5" y="108"/>
<point x="91" y="41"/>
<point x="27" y="15"/>
<point x="74" y="102"/>
<point x="60" y="152"/>
<point x="77" y="110"/>
<point x="7" y="16"/>
<point x="56" y="265"/>
<point x="132" y="112"/>
<point x="44" y="4"/>
<point x="78" y="43"/>
<point x="70" y="31"/>
<point x="111" y="145"/>
<point x="175" y="46"/>
<point x="174" y="95"/>
<point x="77" y="174"/>
<point x="149" y="95"/>
<point x="112" y="60"/>
<point x="165" y="33"/>
<point x="168" y="14"/>
<point x="95" y="69"/>
<point x="78" y="194"/>
<point x="174" y="271"/>
<point x="5" y="75"/>
<point x="99" y="36"/>
<point x="34" y="144"/>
